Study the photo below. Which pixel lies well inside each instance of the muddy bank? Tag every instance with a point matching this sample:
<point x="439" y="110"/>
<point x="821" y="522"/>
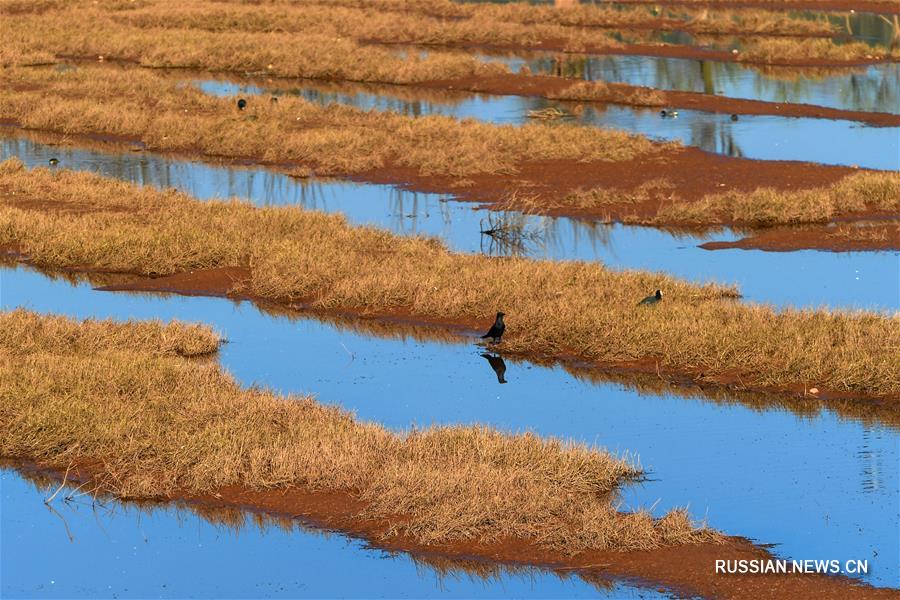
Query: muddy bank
<point x="223" y="282"/>
<point x="685" y="570"/>
<point x="629" y="95"/>
<point x="884" y="237"/>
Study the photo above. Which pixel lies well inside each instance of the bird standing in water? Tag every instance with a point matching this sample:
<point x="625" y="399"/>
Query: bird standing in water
<point x="651" y="299"/>
<point x="241" y="103"/>
<point x="53" y="162"/>
<point x="496" y="330"/>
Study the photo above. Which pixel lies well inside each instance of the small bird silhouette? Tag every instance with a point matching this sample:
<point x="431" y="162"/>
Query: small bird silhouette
<point x="734" y="117"/>
<point x="241" y="103"/>
<point x="53" y="161"/>
<point x="651" y="299"/>
<point x="497" y="364"/>
<point x="668" y="113"/>
<point x="496" y="330"/>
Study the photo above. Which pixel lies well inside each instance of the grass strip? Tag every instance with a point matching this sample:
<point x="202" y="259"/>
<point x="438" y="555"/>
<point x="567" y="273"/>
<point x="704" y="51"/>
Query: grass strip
<point x="563" y="310"/>
<point x="160" y="424"/>
<point x="334" y="139"/>
<point x="316" y="40"/>
<point x="866" y="192"/>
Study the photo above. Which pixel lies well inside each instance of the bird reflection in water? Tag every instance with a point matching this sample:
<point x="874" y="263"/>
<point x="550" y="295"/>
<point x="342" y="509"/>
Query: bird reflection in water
<point x="497" y="364"/>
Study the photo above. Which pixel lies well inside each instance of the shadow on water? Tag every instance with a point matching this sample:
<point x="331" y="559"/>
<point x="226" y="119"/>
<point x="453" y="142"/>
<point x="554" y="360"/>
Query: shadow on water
<point x="232" y="553"/>
<point x="734" y="459"/>
<point x="802" y="278"/>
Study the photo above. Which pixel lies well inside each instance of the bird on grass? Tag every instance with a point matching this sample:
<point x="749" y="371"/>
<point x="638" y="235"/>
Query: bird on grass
<point x="496" y="330"/>
<point x="497" y="364"/>
<point x="651" y="299"/>
<point x="241" y="103"/>
<point x="53" y="162"/>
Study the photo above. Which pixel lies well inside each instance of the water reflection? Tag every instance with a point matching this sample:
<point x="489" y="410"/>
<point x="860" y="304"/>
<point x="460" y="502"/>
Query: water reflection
<point x="497" y="365"/>
<point x="231" y="553"/>
<point x="871" y="89"/>
<point x="752" y="136"/>
<point x="803" y="278"/>
<point x="720" y="453"/>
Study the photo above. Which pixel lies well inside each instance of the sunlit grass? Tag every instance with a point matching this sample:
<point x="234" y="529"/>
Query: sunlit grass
<point x="122" y="398"/>
<point x="569" y="309"/>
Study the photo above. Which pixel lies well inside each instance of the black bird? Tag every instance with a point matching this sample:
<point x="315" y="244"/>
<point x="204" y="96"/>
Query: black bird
<point x="651" y="299"/>
<point x="53" y="161"/>
<point x="496" y="330"/>
<point x="734" y="117"/>
<point x="497" y="364"/>
<point x="241" y="103"/>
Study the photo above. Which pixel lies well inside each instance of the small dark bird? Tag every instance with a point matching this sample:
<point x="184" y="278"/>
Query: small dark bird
<point x="53" y="161"/>
<point x="241" y="103"/>
<point x="497" y="364"/>
<point x="668" y="113"/>
<point x="651" y="299"/>
<point x="496" y="330"/>
<point x="734" y="117"/>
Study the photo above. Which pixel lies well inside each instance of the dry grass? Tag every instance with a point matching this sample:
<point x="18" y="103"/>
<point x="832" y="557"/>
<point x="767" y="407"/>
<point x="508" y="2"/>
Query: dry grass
<point x="336" y="139"/>
<point x="570" y="309"/>
<point x="441" y="21"/>
<point x="314" y="39"/>
<point x="610" y="92"/>
<point x="159" y="424"/>
<point x="775" y="50"/>
<point x="859" y="193"/>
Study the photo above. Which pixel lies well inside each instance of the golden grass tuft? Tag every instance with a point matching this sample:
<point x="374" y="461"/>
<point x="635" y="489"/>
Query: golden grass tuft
<point x="570" y="309"/>
<point x="334" y="139"/>
<point x="861" y="192"/>
<point x="610" y="92"/>
<point x="155" y="425"/>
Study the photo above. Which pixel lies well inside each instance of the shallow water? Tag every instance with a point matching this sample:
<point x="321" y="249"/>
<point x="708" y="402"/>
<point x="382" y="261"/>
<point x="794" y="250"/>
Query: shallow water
<point x="825" y="141"/>
<point x="816" y="484"/>
<point x="171" y="552"/>
<point x="871" y="89"/>
<point x="803" y="278"/>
